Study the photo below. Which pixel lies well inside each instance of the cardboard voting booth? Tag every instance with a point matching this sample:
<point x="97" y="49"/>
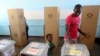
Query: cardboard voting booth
<point x="17" y="26"/>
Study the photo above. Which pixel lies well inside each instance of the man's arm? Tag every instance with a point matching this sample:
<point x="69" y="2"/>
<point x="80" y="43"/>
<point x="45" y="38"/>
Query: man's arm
<point x="86" y="35"/>
<point x="67" y="32"/>
<point x="81" y="32"/>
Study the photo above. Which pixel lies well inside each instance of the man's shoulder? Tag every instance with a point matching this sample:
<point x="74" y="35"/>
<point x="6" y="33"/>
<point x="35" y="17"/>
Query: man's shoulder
<point x="70" y="15"/>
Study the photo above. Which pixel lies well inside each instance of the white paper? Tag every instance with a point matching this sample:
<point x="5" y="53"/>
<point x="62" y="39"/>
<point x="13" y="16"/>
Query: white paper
<point x="35" y="45"/>
<point x="40" y="51"/>
<point x="32" y="51"/>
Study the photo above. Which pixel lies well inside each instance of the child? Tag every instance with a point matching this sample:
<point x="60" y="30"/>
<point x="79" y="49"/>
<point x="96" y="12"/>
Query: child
<point x="51" y="45"/>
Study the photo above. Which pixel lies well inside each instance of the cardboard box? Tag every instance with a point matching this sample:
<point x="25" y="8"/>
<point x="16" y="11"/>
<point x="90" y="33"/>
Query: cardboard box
<point x="17" y="26"/>
<point x="74" y="50"/>
<point x="35" y="49"/>
<point x="7" y="47"/>
<point x="51" y="23"/>
<point x="89" y="21"/>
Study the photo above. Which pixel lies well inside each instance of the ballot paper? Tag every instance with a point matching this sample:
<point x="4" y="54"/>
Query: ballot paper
<point x="75" y="52"/>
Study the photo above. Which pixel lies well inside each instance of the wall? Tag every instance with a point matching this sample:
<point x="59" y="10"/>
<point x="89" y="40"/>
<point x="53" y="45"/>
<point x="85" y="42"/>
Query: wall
<point x="33" y="10"/>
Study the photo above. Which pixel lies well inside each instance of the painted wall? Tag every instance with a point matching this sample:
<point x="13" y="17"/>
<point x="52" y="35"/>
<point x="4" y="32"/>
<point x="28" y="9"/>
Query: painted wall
<point x="34" y="13"/>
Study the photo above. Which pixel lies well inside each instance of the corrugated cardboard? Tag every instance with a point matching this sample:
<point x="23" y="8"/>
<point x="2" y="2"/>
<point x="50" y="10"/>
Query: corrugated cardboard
<point x="51" y="23"/>
<point x="89" y="20"/>
<point x="17" y="25"/>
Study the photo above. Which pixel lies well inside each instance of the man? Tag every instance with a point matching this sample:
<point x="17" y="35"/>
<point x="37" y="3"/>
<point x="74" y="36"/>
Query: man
<point x="72" y="25"/>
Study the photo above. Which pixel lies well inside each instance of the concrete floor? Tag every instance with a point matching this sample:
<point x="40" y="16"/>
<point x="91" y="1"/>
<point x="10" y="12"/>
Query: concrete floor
<point x="95" y="52"/>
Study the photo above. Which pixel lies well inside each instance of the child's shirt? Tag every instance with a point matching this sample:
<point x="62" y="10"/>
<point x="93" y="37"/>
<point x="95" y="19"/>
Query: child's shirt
<point x="50" y="51"/>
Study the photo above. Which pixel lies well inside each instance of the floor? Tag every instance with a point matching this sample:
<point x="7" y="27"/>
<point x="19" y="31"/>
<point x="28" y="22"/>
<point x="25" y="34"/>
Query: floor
<point x="95" y="52"/>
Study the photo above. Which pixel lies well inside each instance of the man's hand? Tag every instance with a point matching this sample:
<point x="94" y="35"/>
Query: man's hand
<point x="71" y="41"/>
<point x="87" y="35"/>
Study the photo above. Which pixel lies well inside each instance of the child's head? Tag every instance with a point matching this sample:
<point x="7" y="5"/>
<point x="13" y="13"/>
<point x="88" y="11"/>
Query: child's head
<point x="49" y="37"/>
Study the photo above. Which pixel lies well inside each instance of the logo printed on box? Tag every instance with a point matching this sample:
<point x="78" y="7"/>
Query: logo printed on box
<point x="12" y="17"/>
<point x="89" y="14"/>
<point x="15" y="34"/>
<point x="20" y="16"/>
<point x="50" y="15"/>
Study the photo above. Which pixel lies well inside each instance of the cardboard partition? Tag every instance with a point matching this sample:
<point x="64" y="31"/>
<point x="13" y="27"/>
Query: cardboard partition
<point x="17" y="26"/>
<point x="89" y="21"/>
<point x="51" y="23"/>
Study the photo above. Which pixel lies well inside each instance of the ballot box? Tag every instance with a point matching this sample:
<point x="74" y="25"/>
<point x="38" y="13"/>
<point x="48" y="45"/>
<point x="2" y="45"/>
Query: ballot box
<point x="74" y="50"/>
<point x="7" y="47"/>
<point x="35" y="49"/>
